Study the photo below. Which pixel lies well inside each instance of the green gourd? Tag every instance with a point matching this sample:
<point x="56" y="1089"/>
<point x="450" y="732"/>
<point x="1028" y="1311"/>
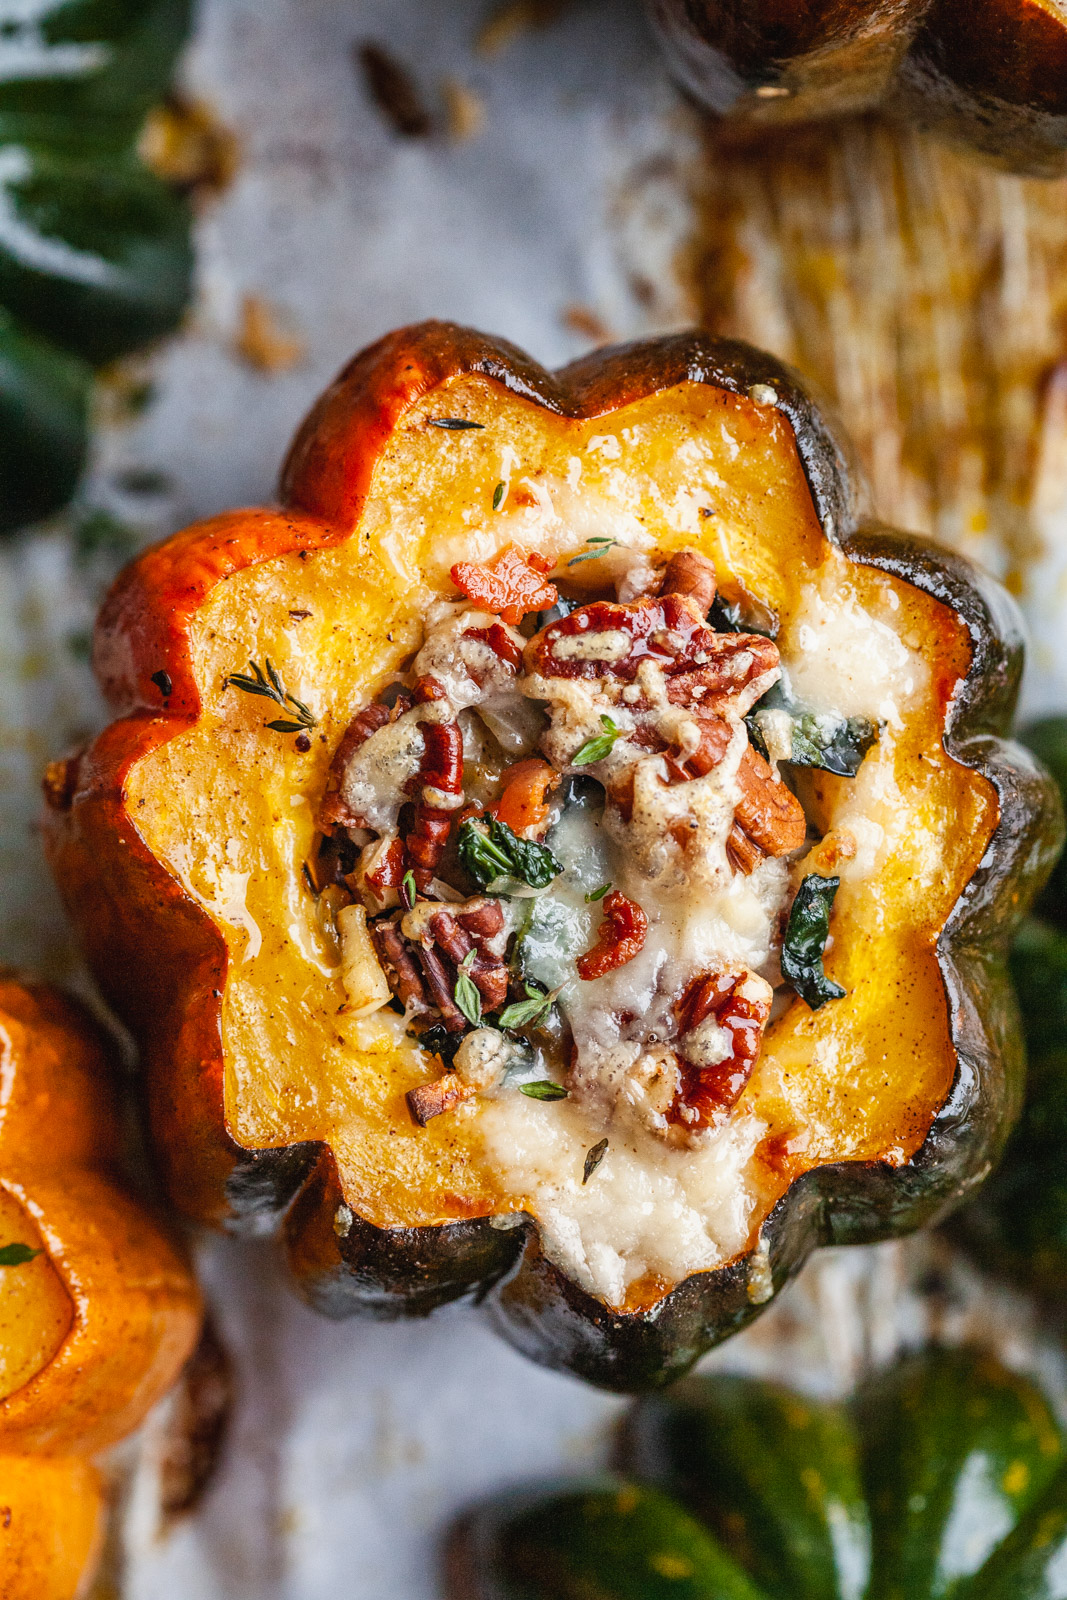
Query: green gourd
<point x="943" y="1479"/>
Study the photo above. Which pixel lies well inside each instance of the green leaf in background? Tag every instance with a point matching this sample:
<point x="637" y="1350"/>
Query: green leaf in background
<point x="95" y="250"/>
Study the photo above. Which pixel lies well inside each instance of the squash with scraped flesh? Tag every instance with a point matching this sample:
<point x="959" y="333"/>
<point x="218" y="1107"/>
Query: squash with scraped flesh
<point x="98" y="1311"/>
<point x="554" y="850"/>
<point x="988" y="74"/>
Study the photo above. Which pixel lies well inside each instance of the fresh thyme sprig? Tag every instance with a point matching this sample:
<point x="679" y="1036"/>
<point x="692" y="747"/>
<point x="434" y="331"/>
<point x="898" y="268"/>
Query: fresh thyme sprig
<point x="466" y="993"/>
<point x="544" y="1089"/>
<point x="597" y="748"/>
<point x="593" y="1159"/>
<point x="603" y="545"/>
<point x="270" y="686"/>
<point x="529" y="1013"/>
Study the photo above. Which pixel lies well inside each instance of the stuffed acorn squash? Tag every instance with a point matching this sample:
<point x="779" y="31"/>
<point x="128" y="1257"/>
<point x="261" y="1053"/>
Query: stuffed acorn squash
<point x="946" y="1475"/>
<point x="97" y="1309"/>
<point x="991" y="74"/>
<point x="562" y="850"/>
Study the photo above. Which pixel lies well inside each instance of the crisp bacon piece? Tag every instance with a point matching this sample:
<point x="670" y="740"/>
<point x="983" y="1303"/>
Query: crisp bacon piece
<point x="440" y="789"/>
<point x="512" y="584"/>
<point x="740" y="1003"/>
<point x="692" y="575"/>
<point x="333" y="812"/>
<point x="523" y="803"/>
<point x="621" y="936"/>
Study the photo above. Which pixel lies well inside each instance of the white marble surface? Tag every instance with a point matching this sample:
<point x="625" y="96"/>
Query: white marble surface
<point x="352" y="1444"/>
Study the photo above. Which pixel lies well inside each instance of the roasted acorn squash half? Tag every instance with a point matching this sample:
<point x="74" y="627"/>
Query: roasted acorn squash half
<point x="448" y="735"/>
<point x="944" y="1475"/>
<point x="98" y="1311"/>
<point x="990" y="74"/>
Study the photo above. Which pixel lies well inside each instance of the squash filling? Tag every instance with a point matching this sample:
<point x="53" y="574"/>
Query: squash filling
<point x="563" y="844"/>
<point x="593" y="865"/>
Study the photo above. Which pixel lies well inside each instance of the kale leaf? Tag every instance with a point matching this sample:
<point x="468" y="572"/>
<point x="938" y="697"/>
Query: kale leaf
<point x="805" y="941"/>
<point x="496" y="851"/>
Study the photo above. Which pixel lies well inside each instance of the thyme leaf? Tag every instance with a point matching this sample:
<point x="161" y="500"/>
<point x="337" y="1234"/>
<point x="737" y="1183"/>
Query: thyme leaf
<point x="597" y="894"/>
<point x="528" y="1013"/>
<point x="597" y="748"/>
<point x="496" y="851"/>
<point x="408" y="891"/>
<point x="544" y="1089"/>
<point x="498" y="495"/>
<point x="466" y="993"/>
<point x="603" y="545"/>
<point x="805" y="939"/>
<point x="453" y="424"/>
<point x="268" y="683"/>
<point x="593" y="1159"/>
<point x="16" y="1255"/>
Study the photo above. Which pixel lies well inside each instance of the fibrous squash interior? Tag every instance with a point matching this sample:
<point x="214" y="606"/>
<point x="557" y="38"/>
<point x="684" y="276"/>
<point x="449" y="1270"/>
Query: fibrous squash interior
<point x="232" y="808"/>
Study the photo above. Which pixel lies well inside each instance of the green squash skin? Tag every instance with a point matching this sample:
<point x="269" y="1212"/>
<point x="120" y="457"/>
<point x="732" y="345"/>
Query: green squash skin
<point x="607" y="1540"/>
<point x="1032" y="1562"/>
<point x="95" y="251"/>
<point x="1019" y="1221"/>
<point x="1047" y="738"/>
<point x="957" y="1463"/>
<point x="956" y="1450"/>
<point x="792" y="1509"/>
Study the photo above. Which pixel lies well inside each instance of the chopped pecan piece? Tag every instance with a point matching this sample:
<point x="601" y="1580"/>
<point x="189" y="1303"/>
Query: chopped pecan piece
<point x="620" y="937"/>
<point x="721" y="1018"/>
<point x="334" y="812"/>
<point x="440" y="788"/>
<point x="691" y="574"/>
<point x="609" y="642"/>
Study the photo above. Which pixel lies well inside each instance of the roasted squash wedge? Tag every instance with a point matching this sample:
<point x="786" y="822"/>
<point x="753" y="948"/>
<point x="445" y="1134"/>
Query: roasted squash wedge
<point x="95" y="250"/>
<point x="1019" y="1223"/>
<point x="945" y="1476"/>
<point x="990" y="74"/>
<point x="98" y="1311"/>
<point x="462" y="916"/>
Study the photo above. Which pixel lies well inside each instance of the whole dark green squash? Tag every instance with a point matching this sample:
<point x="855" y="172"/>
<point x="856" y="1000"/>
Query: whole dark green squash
<point x="1019" y="1221"/>
<point x="944" y="1477"/>
<point x="95" y="253"/>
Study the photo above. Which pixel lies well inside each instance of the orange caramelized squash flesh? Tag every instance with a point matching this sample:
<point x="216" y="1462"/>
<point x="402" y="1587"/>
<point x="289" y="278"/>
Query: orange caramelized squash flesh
<point x="188" y="843"/>
<point x="96" y="1323"/>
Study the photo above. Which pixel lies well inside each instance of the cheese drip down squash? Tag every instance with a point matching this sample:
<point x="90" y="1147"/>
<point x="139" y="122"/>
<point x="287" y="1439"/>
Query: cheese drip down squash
<point x="565" y="855"/>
